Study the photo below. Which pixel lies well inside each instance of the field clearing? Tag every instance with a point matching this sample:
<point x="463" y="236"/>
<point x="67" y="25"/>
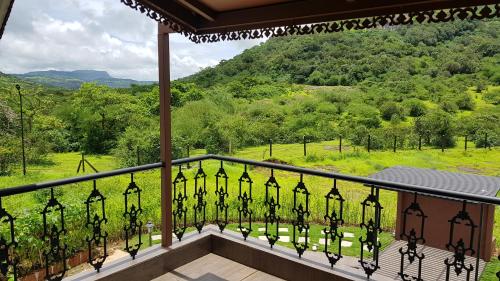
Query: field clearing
<point x="322" y="155"/>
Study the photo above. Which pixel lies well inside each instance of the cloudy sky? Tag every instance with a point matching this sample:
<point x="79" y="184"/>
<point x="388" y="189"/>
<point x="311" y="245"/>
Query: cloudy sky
<point x="100" y="35"/>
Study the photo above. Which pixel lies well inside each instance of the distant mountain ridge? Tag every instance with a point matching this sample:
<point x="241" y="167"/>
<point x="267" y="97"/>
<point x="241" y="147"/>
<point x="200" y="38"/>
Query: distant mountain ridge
<point x="74" y="79"/>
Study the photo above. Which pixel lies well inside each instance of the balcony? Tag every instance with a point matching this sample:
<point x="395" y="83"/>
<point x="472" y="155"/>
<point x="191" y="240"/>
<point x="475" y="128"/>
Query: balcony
<point x="249" y="229"/>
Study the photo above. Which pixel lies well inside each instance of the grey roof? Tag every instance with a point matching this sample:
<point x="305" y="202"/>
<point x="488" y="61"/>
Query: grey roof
<point x="443" y="180"/>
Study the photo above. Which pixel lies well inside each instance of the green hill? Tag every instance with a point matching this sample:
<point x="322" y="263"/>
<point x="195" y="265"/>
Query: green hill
<point x="389" y="55"/>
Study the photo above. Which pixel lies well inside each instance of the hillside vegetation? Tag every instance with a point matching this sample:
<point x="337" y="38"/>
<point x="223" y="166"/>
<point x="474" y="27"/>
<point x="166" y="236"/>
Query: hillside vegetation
<point x="425" y="83"/>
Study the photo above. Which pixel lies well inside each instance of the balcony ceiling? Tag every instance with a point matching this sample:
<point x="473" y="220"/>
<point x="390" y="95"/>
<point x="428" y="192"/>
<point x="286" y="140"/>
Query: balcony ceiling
<point x="217" y="20"/>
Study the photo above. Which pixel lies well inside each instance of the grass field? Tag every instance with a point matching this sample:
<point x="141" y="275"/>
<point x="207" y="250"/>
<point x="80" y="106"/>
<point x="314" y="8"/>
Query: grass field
<point x="324" y="156"/>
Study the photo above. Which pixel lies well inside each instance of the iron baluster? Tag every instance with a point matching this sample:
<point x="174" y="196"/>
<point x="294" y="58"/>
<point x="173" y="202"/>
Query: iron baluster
<point x="372" y="228"/>
<point x="131" y="215"/>
<point x="334" y="216"/>
<point x="413" y="237"/>
<point x="53" y="229"/>
<point x="460" y="248"/>
<point x="199" y="194"/>
<point x="179" y="209"/>
<point x="8" y="263"/>
<point x="498" y="273"/>
<point x="245" y="198"/>
<point x="95" y="222"/>
<point x="221" y="192"/>
<point x="273" y="205"/>
<point x="301" y="213"/>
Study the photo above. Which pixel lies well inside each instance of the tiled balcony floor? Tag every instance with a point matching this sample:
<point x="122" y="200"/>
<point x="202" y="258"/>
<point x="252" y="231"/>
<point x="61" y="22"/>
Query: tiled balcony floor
<point x="215" y="268"/>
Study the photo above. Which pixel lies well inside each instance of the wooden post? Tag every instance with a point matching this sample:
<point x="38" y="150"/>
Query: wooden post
<point x="305" y="149"/>
<point x="138" y="156"/>
<point x="340" y="144"/>
<point x="369" y="143"/>
<point x="270" y="148"/>
<point x="420" y="142"/>
<point x="485" y="140"/>
<point x="83" y="162"/>
<point x="165" y="135"/>
<point x="395" y="143"/>
<point x="465" y="145"/>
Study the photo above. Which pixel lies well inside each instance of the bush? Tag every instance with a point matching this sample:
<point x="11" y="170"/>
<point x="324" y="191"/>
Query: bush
<point x="390" y="109"/>
<point x="465" y="102"/>
<point x="415" y="107"/>
<point x="492" y="95"/>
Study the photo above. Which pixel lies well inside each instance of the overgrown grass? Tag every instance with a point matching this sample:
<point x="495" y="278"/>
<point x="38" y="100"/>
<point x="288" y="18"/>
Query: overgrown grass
<point x="323" y="156"/>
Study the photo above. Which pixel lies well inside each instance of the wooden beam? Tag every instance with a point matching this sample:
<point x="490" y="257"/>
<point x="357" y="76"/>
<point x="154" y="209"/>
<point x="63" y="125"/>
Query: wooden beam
<point x="176" y="12"/>
<point x="311" y="11"/>
<point x="165" y="135"/>
<point x="199" y="8"/>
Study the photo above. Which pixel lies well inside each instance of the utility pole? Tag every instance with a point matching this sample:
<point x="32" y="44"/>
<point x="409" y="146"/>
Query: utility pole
<point x="22" y="127"/>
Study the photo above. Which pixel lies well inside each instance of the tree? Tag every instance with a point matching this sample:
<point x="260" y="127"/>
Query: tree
<point x="390" y="109"/>
<point x="414" y="107"/>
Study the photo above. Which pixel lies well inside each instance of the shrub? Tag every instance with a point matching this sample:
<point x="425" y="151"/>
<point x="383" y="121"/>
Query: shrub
<point x="390" y="109"/>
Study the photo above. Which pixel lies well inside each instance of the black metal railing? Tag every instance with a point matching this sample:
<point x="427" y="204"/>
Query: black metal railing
<point x="370" y="225"/>
<point x="55" y="232"/>
<point x="244" y="206"/>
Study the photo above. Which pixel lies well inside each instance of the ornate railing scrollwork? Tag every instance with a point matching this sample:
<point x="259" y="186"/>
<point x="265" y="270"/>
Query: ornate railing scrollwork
<point x="53" y="229"/>
<point x="8" y="262"/>
<point x="334" y="217"/>
<point x="200" y="190"/>
<point x="245" y="199"/>
<point x="301" y="213"/>
<point x="371" y="224"/>
<point x="413" y="237"/>
<point x="221" y="193"/>
<point x="131" y="215"/>
<point x="98" y="238"/>
<point x="459" y="247"/>
<point x="273" y="205"/>
<point x="179" y="213"/>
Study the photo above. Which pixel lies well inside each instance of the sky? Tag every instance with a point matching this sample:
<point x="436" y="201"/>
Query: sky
<point x="99" y="35"/>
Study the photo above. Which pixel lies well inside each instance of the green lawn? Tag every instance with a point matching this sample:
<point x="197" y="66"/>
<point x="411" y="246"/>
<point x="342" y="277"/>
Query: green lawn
<point x="323" y="156"/>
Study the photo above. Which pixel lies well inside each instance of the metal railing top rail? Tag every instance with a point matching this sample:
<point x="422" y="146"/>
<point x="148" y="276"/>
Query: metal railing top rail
<point x="306" y="171"/>
<point x="37" y="186"/>
<point x="363" y="180"/>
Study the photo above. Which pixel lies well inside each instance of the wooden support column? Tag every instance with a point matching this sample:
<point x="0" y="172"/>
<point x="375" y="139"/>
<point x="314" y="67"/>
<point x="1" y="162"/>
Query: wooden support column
<point x="165" y="135"/>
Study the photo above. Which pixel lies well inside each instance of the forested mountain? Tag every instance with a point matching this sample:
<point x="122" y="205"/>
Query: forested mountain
<point x="389" y="55"/>
<point x="439" y="82"/>
<point x="74" y="79"/>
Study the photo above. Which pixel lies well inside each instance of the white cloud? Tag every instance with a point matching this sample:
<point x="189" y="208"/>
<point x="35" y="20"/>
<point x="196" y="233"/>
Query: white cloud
<point x="101" y="35"/>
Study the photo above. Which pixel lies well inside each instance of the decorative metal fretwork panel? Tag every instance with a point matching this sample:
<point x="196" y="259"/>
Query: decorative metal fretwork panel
<point x="200" y="190"/>
<point x="221" y="192"/>
<point x="301" y="210"/>
<point x="334" y="216"/>
<point x="371" y="226"/>
<point x="53" y="231"/>
<point x="179" y="209"/>
<point x="96" y="219"/>
<point x="131" y="215"/>
<point x="446" y="15"/>
<point x="413" y="237"/>
<point x="8" y="263"/>
<point x="458" y="246"/>
<point x="245" y="199"/>
<point x="272" y="203"/>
